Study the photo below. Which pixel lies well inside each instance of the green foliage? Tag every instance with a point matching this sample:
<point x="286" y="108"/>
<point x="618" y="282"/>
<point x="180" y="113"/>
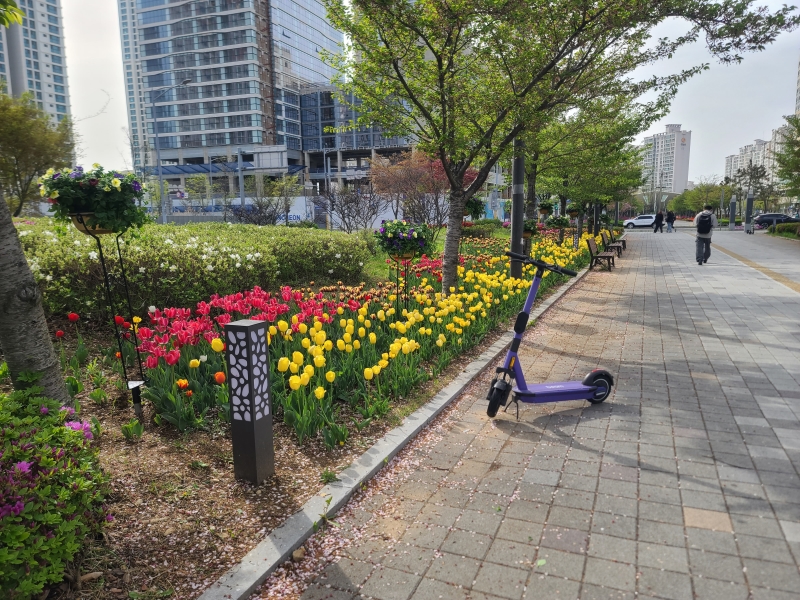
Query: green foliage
<point x="303" y="224"/>
<point x="10" y="13"/>
<point x="789" y="229"/>
<point x="531" y="226"/>
<point x="557" y="222"/>
<point x="327" y="476"/>
<point x="4" y="373"/>
<point x="110" y="197"/>
<point x="475" y="208"/>
<point x="175" y="407"/>
<point x="478" y="231"/>
<point x="99" y="396"/>
<point x="495" y="223"/>
<point x="164" y="263"/>
<point x="74" y="386"/>
<point x="788" y="156"/>
<point x="132" y="430"/>
<point x="397" y="237"/>
<point x="51" y="493"/>
<point x="30" y="143"/>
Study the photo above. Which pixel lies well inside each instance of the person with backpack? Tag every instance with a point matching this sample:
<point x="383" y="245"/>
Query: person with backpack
<point x="659" y="222"/>
<point x="705" y="222"/>
<point x="670" y="221"/>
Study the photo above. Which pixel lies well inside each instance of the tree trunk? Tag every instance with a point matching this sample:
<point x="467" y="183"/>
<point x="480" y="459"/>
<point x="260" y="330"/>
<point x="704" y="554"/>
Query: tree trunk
<point x="451" y="240"/>
<point x="530" y="200"/>
<point x="580" y="225"/>
<point x="24" y="337"/>
<point x="562" y="213"/>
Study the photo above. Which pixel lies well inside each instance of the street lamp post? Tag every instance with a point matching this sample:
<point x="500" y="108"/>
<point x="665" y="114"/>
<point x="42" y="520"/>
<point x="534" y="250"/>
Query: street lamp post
<point x="158" y="147"/>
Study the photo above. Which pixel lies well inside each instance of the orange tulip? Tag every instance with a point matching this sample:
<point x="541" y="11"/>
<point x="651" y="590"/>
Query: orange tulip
<point x="219" y="377"/>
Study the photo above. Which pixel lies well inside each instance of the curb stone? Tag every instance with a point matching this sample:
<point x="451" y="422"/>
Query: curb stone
<point x="258" y="564"/>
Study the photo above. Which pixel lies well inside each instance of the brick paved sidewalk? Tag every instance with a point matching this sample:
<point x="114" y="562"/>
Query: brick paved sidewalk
<point x="684" y="484"/>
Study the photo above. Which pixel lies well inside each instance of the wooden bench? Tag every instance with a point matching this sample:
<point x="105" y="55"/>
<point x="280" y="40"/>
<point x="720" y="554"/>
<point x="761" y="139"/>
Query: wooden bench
<point x="622" y="241"/>
<point x="596" y="257"/>
<point x="611" y="246"/>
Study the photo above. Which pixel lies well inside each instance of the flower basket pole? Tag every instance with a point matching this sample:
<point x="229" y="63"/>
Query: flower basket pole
<point x="134" y="385"/>
<point x="402" y="241"/>
<point x="401" y="263"/>
<point x="100" y="202"/>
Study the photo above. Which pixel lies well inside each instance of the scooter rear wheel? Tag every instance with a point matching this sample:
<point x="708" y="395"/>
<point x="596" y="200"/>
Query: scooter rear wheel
<point x="495" y="400"/>
<point x="603" y="383"/>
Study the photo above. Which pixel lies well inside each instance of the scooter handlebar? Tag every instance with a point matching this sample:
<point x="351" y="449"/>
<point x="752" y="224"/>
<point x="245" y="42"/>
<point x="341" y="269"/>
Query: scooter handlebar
<point x="530" y="261"/>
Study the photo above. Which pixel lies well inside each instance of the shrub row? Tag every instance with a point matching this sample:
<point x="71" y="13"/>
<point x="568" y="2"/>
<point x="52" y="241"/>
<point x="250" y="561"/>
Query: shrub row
<point x="783" y="228"/>
<point x="51" y="491"/>
<point x="179" y="265"/>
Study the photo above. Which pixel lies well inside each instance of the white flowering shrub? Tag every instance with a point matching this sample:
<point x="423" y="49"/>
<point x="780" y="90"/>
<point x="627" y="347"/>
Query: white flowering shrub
<point x="179" y="265"/>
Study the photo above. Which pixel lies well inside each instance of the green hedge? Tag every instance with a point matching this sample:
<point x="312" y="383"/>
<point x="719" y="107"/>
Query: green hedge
<point x="179" y="265"/>
<point x="478" y="231"/>
<point x="726" y="222"/>
<point x="784" y="228"/>
<point x="51" y="491"/>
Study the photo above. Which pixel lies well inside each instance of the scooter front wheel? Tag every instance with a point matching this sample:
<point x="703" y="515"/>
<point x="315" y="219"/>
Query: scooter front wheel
<point x="495" y="400"/>
<point x="603" y="383"/>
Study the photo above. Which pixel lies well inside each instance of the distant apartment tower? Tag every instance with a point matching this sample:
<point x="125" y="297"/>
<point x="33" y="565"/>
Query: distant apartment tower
<point x="246" y="61"/>
<point x="665" y="160"/>
<point x="759" y="153"/>
<point x="32" y="57"/>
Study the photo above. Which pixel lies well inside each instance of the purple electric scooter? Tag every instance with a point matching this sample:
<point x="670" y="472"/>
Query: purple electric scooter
<point x="595" y="387"/>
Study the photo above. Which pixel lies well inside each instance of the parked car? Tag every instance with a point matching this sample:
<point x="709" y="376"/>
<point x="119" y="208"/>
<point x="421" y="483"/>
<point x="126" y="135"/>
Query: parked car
<point x="767" y="219"/>
<point x="639" y="221"/>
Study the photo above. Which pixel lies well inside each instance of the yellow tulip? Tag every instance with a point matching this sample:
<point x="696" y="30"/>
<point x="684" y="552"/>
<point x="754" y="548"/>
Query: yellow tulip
<point x="383" y="363"/>
<point x="295" y="319"/>
<point x="319" y="361"/>
<point x="319" y="393"/>
<point x="367" y="323"/>
<point x="376" y="370"/>
<point x="308" y="370"/>
<point x="294" y="382"/>
<point x="305" y="378"/>
<point x="283" y="364"/>
<point x="349" y="329"/>
<point x="194" y="363"/>
<point x="362" y="332"/>
<point x="273" y="330"/>
<point x="302" y="327"/>
<point x="319" y="338"/>
<point x="317" y="324"/>
<point x="293" y="368"/>
<point x="297" y="357"/>
<point x="372" y="338"/>
<point x="137" y="320"/>
<point x="340" y="311"/>
<point x="330" y="376"/>
<point x="381" y="315"/>
<point x="217" y="345"/>
<point x="306" y="343"/>
<point x="356" y="344"/>
<point x="347" y="338"/>
<point x="342" y="323"/>
<point x="368" y="374"/>
<point x="340" y="345"/>
<point x="328" y="345"/>
<point x="348" y="348"/>
<point x="283" y="326"/>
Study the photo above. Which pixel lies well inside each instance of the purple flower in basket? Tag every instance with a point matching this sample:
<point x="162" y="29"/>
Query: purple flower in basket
<point x="57" y="175"/>
<point x="137" y="187"/>
<point x="75" y="174"/>
<point x="382" y="230"/>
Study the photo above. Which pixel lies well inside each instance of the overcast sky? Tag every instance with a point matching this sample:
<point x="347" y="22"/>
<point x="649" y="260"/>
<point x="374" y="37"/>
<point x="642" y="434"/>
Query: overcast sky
<point x="724" y="107"/>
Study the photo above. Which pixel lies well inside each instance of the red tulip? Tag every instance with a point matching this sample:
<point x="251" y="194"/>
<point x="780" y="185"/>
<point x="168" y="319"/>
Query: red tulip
<point x="59" y="334"/>
<point x="172" y="357"/>
<point x="119" y="320"/>
<point x="151" y="362"/>
<point x="73" y="317"/>
<point x="126" y="325"/>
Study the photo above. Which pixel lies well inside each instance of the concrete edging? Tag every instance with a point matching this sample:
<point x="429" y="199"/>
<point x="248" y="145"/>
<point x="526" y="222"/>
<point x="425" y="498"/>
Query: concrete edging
<point x="258" y="564"/>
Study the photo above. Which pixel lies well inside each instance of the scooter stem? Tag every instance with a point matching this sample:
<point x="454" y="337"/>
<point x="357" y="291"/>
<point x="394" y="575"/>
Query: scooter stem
<point x="512" y="359"/>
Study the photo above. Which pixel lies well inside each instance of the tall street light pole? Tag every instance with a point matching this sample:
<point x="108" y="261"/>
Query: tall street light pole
<point x="158" y="147"/>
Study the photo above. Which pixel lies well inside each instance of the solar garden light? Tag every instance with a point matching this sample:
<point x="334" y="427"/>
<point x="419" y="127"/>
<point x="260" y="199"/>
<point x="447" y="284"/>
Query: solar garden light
<point x="247" y="355"/>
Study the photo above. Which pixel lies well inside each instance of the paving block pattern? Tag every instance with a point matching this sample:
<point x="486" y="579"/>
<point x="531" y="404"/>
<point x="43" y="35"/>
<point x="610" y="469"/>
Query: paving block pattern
<point x="683" y="485"/>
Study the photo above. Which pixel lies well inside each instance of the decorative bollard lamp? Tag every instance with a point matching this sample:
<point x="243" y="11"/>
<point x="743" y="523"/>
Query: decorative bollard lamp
<point x="247" y="355"/>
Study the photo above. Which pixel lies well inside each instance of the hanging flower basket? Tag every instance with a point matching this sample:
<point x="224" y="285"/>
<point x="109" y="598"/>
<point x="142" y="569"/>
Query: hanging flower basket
<point x="545" y="207"/>
<point x="403" y="240"/>
<point x="573" y="212"/>
<point x="105" y="200"/>
<point x="529" y="228"/>
<point x="81" y="219"/>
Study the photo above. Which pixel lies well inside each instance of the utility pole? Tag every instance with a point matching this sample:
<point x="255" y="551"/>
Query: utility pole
<point x="517" y="205"/>
<point x="241" y="177"/>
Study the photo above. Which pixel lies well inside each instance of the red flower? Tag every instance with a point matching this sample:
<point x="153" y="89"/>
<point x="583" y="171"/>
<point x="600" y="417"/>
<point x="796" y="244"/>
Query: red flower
<point x="219" y="377"/>
<point x="172" y="357"/>
<point x="119" y="320"/>
<point x="151" y="362"/>
<point x="73" y="317"/>
<point x="59" y="334"/>
<point x="126" y="325"/>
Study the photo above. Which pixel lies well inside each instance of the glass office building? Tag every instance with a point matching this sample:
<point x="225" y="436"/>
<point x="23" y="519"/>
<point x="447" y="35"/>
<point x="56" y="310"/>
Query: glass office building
<point x="32" y="57"/>
<point x="245" y="61"/>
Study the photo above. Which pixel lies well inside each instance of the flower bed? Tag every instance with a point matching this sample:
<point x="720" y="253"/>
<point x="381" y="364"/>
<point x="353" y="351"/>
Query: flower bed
<point x="337" y="350"/>
<point x="51" y="491"/>
<point x="181" y="265"/>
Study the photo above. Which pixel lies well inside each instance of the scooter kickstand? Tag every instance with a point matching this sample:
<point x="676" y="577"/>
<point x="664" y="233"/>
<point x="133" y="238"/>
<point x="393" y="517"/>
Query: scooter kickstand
<point x="516" y="402"/>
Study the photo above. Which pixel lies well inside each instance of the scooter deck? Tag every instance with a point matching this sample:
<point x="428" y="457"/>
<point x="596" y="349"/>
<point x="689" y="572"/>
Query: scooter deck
<point x="559" y="391"/>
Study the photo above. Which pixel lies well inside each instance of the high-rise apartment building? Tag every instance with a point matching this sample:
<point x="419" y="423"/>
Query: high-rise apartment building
<point x="32" y="57"/>
<point x="245" y="62"/>
<point x="665" y="160"/>
<point x="761" y="153"/>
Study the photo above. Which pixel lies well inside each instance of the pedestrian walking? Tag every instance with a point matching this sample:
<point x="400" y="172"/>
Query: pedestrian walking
<point x="670" y="221"/>
<point x="658" y="225"/>
<point x="705" y="222"/>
